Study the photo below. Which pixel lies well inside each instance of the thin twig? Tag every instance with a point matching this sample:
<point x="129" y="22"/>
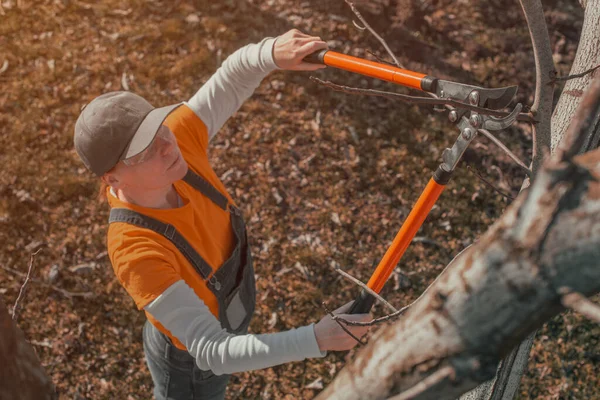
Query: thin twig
<point x="337" y="320"/>
<point x="575" y="76"/>
<point x="500" y="192"/>
<point x="366" y="288"/>
<point x="66" y="293"/>
<point x="419" y="100"/>
<point x="425" y="384"/>
<point x="45" y="343"/>
<point x="21" y="295"/>
<point x="362" y="28"/>
<point x="376" y="320"/>
<point x="381" y="40"/>
<point x="505" y="149"/>
<point x="579" y="303"/>
<point x="426" y="240"/>
<point x="379" y="59"/>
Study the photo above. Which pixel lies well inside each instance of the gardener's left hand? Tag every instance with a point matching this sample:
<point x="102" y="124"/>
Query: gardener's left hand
<point x="291" y="47"/>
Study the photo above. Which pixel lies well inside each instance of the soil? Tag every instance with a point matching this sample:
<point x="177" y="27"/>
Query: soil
<point x="323" y="178"/>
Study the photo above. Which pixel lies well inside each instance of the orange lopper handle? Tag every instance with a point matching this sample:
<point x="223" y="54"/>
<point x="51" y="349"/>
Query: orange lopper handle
<point x="373" y="69"/>
<point x="405" y="235"/>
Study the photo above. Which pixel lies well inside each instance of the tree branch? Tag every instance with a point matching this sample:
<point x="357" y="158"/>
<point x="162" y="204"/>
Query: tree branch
<point x="419" y="100"/>
<point x="579" y="303"/>
<point x="366" y="288"/>
<point x="66" y="293"/>
<point x="500" y="192"/>
<point x="381" y="40"/>
<point x="575" y="76"/>
<point x="21" y="295"/>
<point x="338" y="321"/>
<point x="544" y="73"/>
<point x="426" y="384"/>
<point x="376" y="320"/>
<point x="507" y="151"/>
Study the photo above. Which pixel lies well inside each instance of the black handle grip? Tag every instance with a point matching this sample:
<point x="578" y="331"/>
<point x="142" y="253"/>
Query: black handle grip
<point x="316" y="57"/>
<point x="362" y="304"/>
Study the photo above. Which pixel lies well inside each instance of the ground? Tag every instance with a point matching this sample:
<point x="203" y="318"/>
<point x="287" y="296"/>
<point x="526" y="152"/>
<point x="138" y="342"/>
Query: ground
<point x="323" y="178"/>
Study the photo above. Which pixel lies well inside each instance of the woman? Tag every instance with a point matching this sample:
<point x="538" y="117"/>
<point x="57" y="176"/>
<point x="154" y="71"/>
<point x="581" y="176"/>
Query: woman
<point x="176" y="240"/>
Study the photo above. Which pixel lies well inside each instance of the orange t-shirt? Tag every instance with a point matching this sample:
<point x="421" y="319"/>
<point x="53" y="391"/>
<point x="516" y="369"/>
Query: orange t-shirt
<point x="145" y="262"/>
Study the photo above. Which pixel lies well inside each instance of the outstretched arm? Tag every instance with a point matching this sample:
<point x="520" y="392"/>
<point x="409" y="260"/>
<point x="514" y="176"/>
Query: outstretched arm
<point x="241" y="73"/>
<point x="186" y="316"/>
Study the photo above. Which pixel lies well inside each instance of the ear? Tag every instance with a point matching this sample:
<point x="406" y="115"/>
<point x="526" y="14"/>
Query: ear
<point x="113" y="180"/>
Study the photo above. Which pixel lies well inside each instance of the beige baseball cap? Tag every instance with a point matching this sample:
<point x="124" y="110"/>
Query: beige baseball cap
<point x="116" y="126"/>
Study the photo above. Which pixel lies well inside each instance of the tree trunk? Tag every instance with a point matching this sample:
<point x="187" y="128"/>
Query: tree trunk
<point x="588" y="56"/>
<point x="21" y="376"/>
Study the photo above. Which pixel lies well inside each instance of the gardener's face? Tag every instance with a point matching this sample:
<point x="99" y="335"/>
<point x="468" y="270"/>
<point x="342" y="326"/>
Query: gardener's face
<point x="158" y="166"/>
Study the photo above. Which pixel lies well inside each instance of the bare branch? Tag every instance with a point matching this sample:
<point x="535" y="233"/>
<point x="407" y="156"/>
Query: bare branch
<point x="381" y="40"/>
<point x="379" y="59"/>
<point x="21" y="295"/>
<point x="426" y="240"/>
<point x="579" y="303"/>
<point x="476" y="172"/>
<point x="66" y="293"/>
<point x="337" y="320"/>
<point x="419" y="100"/>
<point x="362" y="28"/>
<point x="45" y="343"/>
<point x="426" y="384"/>
<point x="544" y="72"/>
<point x="366" y="288"/>
<point x="505" y="149"/>
<point x="575" y="76"/>
<point x="376" y="320"/>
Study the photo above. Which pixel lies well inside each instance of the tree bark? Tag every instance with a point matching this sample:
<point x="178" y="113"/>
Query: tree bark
<point x="21" y="376"/>
<point x="588" y="56"/>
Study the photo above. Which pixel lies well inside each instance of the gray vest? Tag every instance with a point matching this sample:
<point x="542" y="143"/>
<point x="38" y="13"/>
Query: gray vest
<point x="233" y="282"/>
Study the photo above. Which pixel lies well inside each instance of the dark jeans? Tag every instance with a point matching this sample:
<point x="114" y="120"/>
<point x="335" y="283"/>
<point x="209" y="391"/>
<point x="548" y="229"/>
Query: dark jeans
<point x="175" y="373"/>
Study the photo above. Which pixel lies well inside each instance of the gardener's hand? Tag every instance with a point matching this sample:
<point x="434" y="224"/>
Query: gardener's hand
<point x="291" y="47"/>
<point x="330" y="336"/>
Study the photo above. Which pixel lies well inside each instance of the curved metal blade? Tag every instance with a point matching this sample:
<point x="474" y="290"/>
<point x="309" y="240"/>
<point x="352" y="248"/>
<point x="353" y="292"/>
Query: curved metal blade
<point x="496" y="124"/>
<point x="499" y="98"/>
<point x="495" y="99"/>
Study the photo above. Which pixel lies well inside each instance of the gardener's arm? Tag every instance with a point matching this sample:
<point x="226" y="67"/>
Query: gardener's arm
<point x="241" y="73"/>
<point x="180" y="311"/>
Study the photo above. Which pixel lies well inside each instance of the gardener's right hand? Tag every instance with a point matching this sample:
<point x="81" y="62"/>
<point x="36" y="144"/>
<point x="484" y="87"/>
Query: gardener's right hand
<point x="330" y="336"/>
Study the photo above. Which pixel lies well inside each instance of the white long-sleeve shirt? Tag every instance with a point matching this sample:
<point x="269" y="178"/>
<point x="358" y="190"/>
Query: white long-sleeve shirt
<point x="178" y="308"/>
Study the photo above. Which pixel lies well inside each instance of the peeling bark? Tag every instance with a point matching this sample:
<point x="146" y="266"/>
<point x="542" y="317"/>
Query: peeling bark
<point x="22" y="376"/>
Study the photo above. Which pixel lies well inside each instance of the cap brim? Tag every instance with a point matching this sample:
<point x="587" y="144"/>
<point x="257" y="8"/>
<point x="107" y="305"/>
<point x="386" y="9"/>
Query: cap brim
<point x="147" y="130"/>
